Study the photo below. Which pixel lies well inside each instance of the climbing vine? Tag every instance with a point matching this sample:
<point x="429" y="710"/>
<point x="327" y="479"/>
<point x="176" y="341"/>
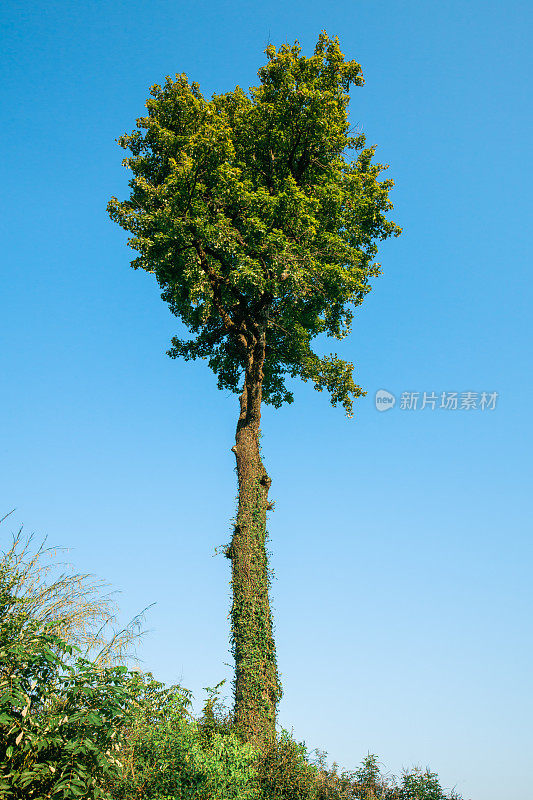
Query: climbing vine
<point x="257" y="687"/>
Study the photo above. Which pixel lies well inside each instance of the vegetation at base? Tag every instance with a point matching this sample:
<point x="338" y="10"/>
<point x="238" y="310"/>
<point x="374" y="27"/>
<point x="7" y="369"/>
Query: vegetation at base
<point x="62" y="715"/>
<point x="73" y="726"/>
<point x="172" y="756"/>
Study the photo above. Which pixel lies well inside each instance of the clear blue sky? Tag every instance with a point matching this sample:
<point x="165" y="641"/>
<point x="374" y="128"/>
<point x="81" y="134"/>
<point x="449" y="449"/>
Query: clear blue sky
<point x="401" y="540"/>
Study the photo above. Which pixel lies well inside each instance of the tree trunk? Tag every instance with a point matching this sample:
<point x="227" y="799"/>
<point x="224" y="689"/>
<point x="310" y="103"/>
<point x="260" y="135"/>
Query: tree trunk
<point x="257" y="689"/>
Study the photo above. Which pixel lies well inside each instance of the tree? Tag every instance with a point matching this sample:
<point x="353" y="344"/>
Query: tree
<point x="261" y="234"/>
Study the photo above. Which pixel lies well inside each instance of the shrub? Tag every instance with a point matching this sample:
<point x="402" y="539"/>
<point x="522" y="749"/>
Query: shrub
<point x="61" y="716"/>
<point x="284" y="772"/>
<point x="369" y="783"/>
<point x="168" y="754"/>
<point x="423" y="785"/>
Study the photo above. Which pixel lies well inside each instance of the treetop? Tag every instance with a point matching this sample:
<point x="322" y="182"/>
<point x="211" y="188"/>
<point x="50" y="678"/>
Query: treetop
<point x="259" y="215"/>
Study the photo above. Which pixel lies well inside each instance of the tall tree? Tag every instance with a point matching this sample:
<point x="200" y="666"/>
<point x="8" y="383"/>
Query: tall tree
<point x="261" y="229"/>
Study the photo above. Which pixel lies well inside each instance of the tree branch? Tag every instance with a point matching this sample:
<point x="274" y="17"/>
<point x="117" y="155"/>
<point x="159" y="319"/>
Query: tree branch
<point x="216" y="281"/>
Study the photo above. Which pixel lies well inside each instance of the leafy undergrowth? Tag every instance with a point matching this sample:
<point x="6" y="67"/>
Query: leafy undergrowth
<point x="79" y="726"/>
<point x="169" y="755"/>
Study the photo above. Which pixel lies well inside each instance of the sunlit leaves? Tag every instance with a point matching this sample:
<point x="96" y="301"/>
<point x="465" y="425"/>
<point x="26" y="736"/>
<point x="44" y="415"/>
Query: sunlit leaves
<point x="262" y="187"/>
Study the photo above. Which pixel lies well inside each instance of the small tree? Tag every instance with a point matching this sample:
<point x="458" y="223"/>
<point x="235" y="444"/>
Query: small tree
<point x="261" y="235"/>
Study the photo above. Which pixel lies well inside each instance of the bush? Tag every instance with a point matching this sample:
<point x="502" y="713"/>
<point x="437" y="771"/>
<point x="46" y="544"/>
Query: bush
<point x="61" y="715"/>
<point x="424" y="785"/>
<point x="284" y="772"/>
<point x="369" y="783"/>
<point x="168" y="754"/>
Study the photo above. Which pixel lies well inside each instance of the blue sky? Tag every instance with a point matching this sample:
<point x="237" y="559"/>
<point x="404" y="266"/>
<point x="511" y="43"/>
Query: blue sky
<point x="401" y="540"/>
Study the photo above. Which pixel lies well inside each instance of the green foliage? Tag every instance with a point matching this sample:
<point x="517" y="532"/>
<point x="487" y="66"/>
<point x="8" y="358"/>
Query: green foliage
<point x="256" y="685"/>
<point x="369" y="783"/>
<point x="423" y="785"/>
<point x="169" y="755"/>
<point x="61" y="716"/>
<point x="284" y="771"/>
<point x="252" y="217"/>
<point x="215" y="718"/>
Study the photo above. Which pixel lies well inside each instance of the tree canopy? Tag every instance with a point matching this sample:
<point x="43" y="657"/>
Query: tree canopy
<point x="260" y="213"/>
